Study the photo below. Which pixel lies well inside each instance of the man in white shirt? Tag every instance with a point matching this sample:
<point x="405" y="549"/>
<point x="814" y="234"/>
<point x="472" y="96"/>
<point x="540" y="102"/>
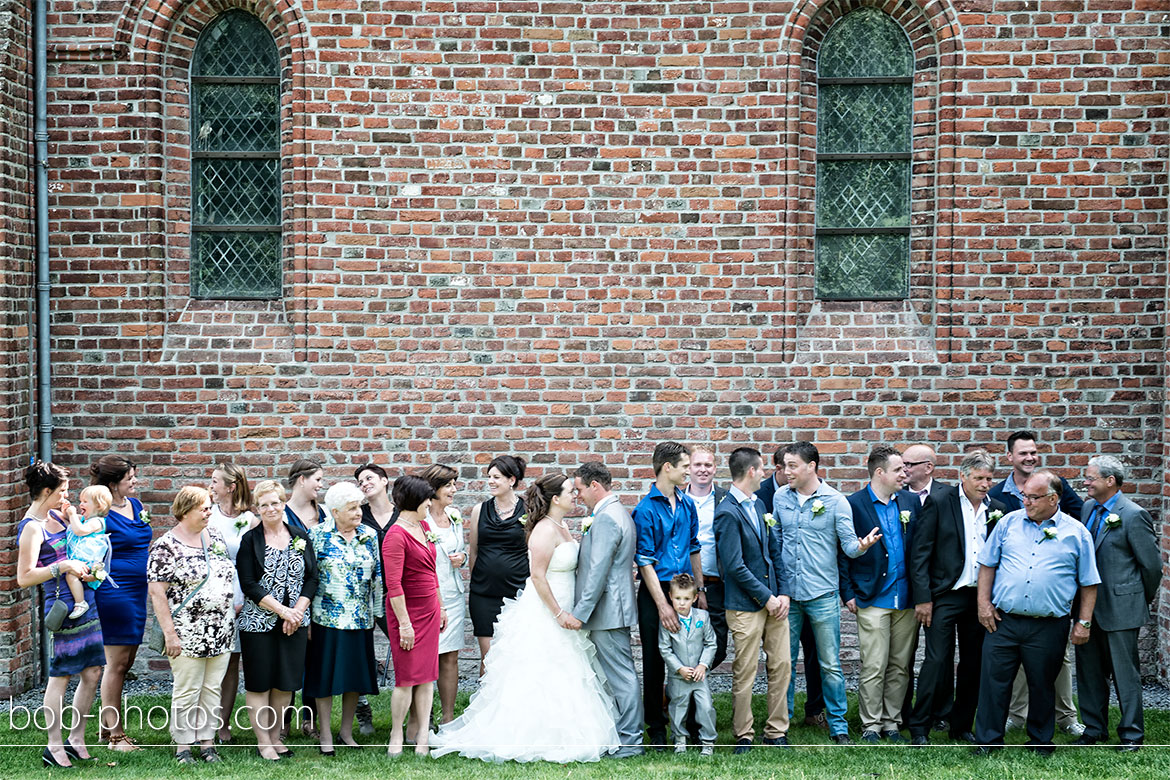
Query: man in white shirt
<point x="706" y="494"/>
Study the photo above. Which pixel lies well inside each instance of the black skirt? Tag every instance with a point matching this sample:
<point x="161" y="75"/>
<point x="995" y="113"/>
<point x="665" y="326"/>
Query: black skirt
<point x="340" y="661"/>
<point x="485" y="610"/>
<point x="272" y="660"/>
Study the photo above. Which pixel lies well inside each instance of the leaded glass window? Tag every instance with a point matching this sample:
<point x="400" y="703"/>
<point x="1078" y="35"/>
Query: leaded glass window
<point x="235" y="153"/>
<point x="864" y="101"/>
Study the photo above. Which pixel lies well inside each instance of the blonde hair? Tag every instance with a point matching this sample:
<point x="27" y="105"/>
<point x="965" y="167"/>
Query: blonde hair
<point x="100" y="499"/>
<point x="190" y="497"/>
<point x="269" y="486"/>
<point x="704" y="447"/>
<point x="233" y="475"/>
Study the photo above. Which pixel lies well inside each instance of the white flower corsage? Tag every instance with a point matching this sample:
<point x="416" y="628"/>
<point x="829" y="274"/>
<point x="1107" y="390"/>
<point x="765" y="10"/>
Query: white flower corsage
<point x="523" y="520"/>
<point x="365" y="535"/>
<point x="769" y="520"/>
<point x="144" y="516"/>
<point x="586" y="524"/>
<point x="298" y="544"/>
<point x="1113" y="520"/>
<point x="818" y="506"/>
<point x="904" y="516"/>
<point x="241" y="523"/>
<point x="432" y="537"/>
<point x="1049" y="533"/>
<point x="218" y="548"/>
<point x="453" y="515"/>
<point x="993" y="516"/>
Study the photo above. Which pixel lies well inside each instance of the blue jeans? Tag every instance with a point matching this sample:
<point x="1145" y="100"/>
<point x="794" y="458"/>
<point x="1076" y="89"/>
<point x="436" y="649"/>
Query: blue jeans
<point x="824" y="614"/>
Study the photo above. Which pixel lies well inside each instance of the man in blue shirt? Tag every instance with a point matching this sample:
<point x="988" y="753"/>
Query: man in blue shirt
<point x="876" y="588"/>
<point x="1035" y="562"/>
<point x="668" y="544"/>
<point x="815" y="521"/>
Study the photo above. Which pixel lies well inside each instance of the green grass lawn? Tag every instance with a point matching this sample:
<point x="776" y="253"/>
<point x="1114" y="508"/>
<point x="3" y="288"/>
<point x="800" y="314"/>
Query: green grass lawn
<point x="812" y="757"/>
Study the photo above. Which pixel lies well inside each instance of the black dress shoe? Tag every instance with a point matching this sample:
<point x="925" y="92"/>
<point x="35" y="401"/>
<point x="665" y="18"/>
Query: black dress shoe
<point x="1084" y="740"/>
<point x="891" y="735"/>
<point x="985" y="750"/>
<point x="658" y="740"/>
<point x="742" y="746"/>
<point x="1129" y="746"/>
<point x="940" y="725"/>
<point x="777" y="742"/>
<point x="841" y="739"/>
<point x="1041" y="748"/>
<point x="963" y="736"/>
<point x="920" y="740"/>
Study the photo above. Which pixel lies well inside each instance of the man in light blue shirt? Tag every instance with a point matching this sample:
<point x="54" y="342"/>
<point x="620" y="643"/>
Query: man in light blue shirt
<point x="1035" y="562"/>
<point x="815" y="521"/>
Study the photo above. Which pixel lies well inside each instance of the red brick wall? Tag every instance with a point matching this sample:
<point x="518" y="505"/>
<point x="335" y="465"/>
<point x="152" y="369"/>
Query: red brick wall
<point x="572" y="230"/>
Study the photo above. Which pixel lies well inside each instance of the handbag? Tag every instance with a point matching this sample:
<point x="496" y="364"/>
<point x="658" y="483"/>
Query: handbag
<point x="156" y="640"/>
<point x="58" y="612"/>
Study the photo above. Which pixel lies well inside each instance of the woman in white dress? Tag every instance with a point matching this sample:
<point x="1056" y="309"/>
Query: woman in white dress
<point x="450" y="555"/>
<point x="542" y="697"/>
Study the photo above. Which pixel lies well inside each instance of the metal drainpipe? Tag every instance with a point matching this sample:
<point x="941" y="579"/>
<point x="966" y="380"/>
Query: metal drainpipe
<point x="41" y="138"/>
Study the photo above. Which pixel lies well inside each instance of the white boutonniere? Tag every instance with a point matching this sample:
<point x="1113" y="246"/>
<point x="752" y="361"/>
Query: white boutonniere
<point x="218" y="548"/>
<point x="454" y="516"/>
<point x="432" y="537"/>
<point x="241" y="523"/>
<point x="993" y="516"/>
<point x="1113" y="520"/>
<point x="904" y="516"/>
<point x="768" y="521"/>
<point x="818" y="506"/>
<point x="144" y="516"/>
<point x="1049" y="533"/>
<point x="586" y="524"/>
<point x="522" y="520"/>
<point x="298" y="544"/>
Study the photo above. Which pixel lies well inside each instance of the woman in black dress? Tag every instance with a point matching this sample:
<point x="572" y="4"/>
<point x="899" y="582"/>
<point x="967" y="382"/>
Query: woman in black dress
<point x="497" y="548"/>
<point x="379" y="513"/>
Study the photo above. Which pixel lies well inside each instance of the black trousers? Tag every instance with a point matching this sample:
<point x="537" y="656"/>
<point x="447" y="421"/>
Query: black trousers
<point x="653" y="667"/>
<point x="814" y="703"/>
<point x="1110" y="654"/>
<point x="718" y="619"/>
<point x="956" y="614"/>
<point x="1038" y="645"/>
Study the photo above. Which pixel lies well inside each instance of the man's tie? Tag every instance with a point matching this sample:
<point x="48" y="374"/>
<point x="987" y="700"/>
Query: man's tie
<point x="1095" y="526"/>
<point x="921" y="495"/>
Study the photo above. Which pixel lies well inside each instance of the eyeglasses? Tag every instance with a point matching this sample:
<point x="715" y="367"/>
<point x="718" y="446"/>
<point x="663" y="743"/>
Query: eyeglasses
<point x="1087" y="478"/>
<point x="1029" y="499"/>
<point x="912" y="463"/>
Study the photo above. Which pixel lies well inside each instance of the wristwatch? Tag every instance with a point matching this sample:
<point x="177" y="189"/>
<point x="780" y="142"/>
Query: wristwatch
<point x="1085" y="623"/>
<point x="701" y="590"/>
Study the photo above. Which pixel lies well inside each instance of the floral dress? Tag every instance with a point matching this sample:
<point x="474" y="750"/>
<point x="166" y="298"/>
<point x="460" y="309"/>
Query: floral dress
<point x="205" y="626"/>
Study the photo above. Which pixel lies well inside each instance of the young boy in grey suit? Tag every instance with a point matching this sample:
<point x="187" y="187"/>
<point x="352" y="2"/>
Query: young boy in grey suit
<point x="687" y="654"/>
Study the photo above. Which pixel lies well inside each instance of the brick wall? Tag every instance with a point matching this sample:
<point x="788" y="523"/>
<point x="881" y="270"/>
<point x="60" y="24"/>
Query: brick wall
<point x="16" y="295"/>
<point x="575" y="229"/>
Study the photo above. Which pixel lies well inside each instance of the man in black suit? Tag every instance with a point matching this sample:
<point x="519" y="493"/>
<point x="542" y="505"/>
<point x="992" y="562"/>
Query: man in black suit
<point x="1130" y="566"/>
<point x="920" y="460"/>
<point x="814" y="701"/>
<point x="944" y="577"/>
<point x="875" y="587"/>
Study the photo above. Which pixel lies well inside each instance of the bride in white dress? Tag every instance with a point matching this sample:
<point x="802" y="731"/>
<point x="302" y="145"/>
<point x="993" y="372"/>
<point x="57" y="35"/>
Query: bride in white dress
<point x="541" y="697"/>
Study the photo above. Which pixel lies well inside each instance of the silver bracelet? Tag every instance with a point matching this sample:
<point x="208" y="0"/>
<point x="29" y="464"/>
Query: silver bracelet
<point x="54" y="570"/>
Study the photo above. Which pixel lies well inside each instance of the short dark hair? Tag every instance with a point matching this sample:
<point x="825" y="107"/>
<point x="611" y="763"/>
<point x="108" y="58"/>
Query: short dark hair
<point x="778" y="457"/>
<point x="437" y="475"/>
<point x="374" y="467"/>
<point x="1017" y="436"/>
<point x="668" y="452"/>
<point x="683" y="582"/>
<point x="593" y="471"/>
<point x="742" y="460"/>
<point x="109" y="470"/>
<point x="879" y="457"/>
<point x="511" y="466"/>
<point x="42" y="476"/>
<point x="409" y="492"/>
<point x="805" y="451"/>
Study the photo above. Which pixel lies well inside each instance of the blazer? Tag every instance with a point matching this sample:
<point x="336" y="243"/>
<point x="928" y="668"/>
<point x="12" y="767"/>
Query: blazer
<point x="940" y="544"/>
<point x="688" y="647"/>
<point x="864" y="576"/>
<point x="250" y="563"/>
<point x="767" y="491"/>
<point x="604" y="595"/>
<point x="750" y="563"/>
<point x="1130" y="565"/>
<point x="1070" y="503"/>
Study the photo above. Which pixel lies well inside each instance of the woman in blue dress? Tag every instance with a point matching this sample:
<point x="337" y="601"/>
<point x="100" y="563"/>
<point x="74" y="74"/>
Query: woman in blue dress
<point x="76" y="648"/>
<point x="122" y="609"/>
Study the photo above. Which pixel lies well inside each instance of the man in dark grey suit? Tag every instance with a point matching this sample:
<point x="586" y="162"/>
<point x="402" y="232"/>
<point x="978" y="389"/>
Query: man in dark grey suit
<point x="1131" y="569"/>
<point x="606" y="604"/>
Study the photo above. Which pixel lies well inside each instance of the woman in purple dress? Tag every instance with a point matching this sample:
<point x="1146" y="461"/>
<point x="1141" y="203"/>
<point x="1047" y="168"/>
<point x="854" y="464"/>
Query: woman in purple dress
<point x="76" y="648"/>
<point x="122" y="609"/>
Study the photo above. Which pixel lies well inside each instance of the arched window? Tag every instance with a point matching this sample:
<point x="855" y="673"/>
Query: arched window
<point x="235" y="151"/>
<point x="865" y="80"/>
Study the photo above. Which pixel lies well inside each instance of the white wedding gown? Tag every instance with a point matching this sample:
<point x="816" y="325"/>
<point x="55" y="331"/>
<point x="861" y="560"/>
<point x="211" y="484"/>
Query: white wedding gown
<point x="542" y="697"/>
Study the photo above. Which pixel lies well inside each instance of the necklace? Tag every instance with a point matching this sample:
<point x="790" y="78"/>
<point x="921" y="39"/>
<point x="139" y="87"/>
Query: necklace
<point x="560" y="523"/>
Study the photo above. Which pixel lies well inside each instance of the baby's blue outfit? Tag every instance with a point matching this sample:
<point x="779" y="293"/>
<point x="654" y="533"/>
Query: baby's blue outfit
<point x="90" y="549"/>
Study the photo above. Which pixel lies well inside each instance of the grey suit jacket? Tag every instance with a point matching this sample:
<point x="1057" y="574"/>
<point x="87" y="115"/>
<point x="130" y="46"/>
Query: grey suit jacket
<point x="1130" y="566"/>
<point x="605" y="569"/>
<point x="689" y="647"/>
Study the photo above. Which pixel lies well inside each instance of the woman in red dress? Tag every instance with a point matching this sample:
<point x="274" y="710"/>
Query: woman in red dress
<point x="414" y="611"/>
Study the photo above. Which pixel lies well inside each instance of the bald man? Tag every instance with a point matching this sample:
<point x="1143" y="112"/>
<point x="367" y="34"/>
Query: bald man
<point x="919" y="460"/>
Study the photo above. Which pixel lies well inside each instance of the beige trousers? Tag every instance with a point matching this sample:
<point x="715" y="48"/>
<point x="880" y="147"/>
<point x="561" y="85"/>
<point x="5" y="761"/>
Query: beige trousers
<point x="1066" y="711"/>
<point x="750" y="631"/>
<point x="886" y="639"/>
<point x="196" y="697"/>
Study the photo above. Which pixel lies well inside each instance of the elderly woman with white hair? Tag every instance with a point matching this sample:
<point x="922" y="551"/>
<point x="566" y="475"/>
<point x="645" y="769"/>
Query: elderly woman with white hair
<point x="340" y="659"/>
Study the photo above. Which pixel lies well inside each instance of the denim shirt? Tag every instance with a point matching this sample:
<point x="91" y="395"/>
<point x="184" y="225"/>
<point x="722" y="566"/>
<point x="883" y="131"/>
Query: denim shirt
<point x="349" y="578"/>
<point x="811" y="539"/>
<point x="665" y="539"/>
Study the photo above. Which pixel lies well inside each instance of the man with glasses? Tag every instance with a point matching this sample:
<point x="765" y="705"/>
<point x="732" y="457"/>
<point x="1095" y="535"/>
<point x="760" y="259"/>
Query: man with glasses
<point x="919" y="460"/>
<point x="1032" y="566"/>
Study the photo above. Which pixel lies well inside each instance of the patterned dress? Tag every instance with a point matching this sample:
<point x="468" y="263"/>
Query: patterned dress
<point x="207" y="624"/>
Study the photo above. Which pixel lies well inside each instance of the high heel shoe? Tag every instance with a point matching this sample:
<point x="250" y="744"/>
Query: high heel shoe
<point x="73" y="754"/>
<point x="50" y="761"/>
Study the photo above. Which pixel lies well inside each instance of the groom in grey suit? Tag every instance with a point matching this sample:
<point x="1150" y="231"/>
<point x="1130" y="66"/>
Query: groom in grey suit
<point x="1131" y="569"/>
<point x="606" y="605"/>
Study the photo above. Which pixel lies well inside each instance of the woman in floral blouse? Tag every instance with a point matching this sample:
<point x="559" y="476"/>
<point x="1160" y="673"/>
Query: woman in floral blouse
<point x="190" y="563"/>
<point x="348" y="600"/>
<point x="278" y="575"/>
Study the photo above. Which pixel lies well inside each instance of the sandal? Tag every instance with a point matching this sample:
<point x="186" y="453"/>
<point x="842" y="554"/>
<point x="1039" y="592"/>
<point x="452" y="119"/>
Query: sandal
<point x="119" y="740"/>
<point x="185" y="757"/>
<point x="211" y="755"/>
